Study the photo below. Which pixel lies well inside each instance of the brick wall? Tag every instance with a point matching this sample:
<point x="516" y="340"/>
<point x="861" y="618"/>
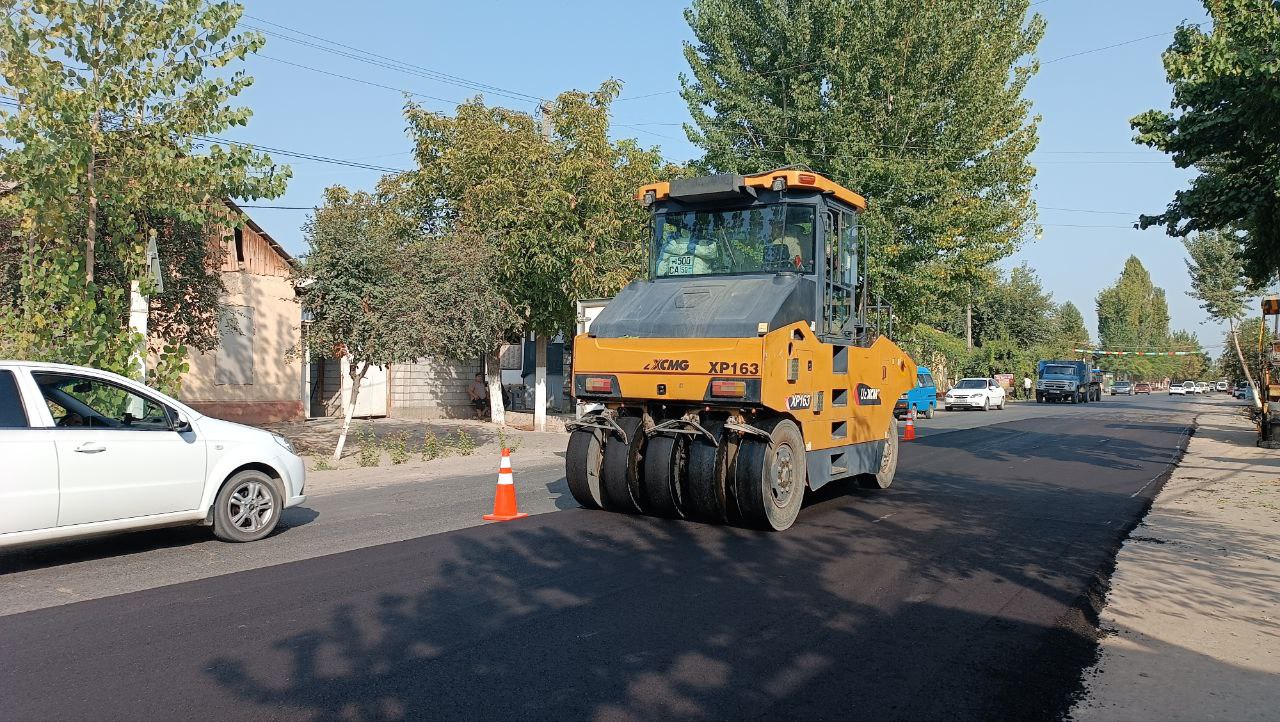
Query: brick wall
<point x="432" y="389"/>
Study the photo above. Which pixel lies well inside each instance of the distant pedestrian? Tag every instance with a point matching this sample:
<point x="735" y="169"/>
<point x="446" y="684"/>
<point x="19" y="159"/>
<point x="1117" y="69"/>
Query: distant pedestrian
<point x="1026" y="387"/>
<point x="479" y="393"/>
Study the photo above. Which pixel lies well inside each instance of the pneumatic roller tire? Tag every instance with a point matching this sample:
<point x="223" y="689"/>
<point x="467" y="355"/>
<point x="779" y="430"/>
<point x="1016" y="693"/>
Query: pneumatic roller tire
<point x="706" y="471"/>
<point x="770" y="478"/>
<point x="622" y="480"/>
<point x="664" y="475"/>
<point x="888" y="462"/>
<point x="582" y="466"/>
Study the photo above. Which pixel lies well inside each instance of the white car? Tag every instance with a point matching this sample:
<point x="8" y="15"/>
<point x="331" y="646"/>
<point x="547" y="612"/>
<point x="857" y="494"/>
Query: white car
<point x="982" y="394"/>
<point x="1202" y="387"/>
<point x="88" y="452"/>
<point x="1179" y="389"/>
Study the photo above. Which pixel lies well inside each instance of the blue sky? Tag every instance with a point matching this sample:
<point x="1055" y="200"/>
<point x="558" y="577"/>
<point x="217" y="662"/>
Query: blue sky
<point x="1086" y="160"/>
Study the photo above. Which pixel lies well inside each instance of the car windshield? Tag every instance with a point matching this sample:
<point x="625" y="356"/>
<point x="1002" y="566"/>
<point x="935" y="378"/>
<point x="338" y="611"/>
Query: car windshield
<point x="1188" y="384"/>
<point x="768" y="238"/>
<point x="972" y="384"/>
<point x="1060" y="370"/>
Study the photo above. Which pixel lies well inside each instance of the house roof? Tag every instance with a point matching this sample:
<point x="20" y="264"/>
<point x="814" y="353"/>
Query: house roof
<point x="261" y="232"/>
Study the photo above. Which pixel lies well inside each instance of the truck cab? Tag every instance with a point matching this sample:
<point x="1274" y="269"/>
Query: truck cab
<point x="1070" y="381"/>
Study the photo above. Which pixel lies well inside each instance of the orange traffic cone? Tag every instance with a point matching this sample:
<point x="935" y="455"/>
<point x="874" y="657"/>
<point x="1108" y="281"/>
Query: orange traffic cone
<point x="910" y="433"/>
<point x="504" y="499"/>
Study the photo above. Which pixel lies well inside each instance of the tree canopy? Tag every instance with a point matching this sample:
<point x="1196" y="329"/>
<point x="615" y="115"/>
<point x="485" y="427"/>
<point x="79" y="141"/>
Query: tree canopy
<point x="114" y="103"/>
<point x="1226" y="99"/>
<point x="559" y="212"/>
<point x="919" y="106"/>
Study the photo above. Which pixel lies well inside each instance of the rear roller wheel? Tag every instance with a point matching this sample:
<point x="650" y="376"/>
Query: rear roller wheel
<point x="621" y="481"/>
<point x="664" y="474"/>
<point x="771" y="476"/>
<point x="582" y="466"/>
<point x="888" y="463"/>
<point x="707" y="469"/>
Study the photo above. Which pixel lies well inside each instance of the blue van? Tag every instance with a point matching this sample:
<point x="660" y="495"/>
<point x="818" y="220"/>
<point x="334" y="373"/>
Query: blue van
<point x="923" y="398"/>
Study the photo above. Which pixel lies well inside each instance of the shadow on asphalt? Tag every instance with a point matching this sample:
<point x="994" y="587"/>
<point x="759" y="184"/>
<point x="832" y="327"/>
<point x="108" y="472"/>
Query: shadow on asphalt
<point x="127" y="543"/>
<point x="964" y="592"/>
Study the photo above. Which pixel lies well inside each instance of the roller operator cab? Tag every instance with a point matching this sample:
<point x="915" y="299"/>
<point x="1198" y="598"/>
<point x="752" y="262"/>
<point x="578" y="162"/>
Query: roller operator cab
<point x="746" y="367"/>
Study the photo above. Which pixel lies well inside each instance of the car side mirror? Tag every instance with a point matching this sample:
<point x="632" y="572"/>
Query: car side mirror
<point x="181" y="423"/>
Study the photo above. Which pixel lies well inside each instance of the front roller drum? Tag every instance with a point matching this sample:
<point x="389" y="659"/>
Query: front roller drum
<point x="583" y="465"/>
<point x="770" y="478"/>
<point x="622" y="479"/>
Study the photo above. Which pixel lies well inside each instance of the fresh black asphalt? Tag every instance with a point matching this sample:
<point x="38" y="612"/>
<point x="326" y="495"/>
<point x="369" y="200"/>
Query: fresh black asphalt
<point x="953" y="595"/>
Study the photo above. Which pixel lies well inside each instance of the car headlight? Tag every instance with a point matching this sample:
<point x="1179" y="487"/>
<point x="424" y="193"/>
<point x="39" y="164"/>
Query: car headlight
<point x="288" y="445"/>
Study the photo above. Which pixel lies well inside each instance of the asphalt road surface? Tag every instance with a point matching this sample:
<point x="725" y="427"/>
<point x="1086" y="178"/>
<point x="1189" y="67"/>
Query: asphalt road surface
<point x="954" y="594"/>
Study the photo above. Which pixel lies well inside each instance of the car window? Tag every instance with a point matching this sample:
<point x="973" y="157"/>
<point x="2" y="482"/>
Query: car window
<point x="81" y="401"/>
<point x="924" y="380"/>
<point x="12" y="414"/>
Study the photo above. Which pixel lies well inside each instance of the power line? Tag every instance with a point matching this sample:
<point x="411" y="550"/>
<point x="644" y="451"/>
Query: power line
<point x="357" y="80"/>
<point x="1109" y="47"/>
<point x="388" y="63"/>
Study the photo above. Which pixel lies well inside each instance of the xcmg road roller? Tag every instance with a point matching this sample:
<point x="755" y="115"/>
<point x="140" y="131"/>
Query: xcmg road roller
<point x="747" y="367"/>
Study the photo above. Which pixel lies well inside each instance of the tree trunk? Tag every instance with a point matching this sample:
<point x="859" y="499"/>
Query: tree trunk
<point x="540" y="383"/>
<point x="356" y="380"/>
<point x="493" y="372"/>
<point x="1235" y="341"/>
<point x="968" y="326"/>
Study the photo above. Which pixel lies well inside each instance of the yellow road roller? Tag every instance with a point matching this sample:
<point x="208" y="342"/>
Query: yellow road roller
<point x="750" y="364"/>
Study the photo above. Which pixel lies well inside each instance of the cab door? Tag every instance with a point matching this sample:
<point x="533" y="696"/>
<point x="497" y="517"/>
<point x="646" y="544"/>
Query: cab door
<point x="118" y="454"/>
<point x="29" y="484"/>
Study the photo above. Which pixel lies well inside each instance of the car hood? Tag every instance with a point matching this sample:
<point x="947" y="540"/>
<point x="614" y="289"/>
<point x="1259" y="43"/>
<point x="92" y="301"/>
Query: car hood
<point x="219" y="430"/>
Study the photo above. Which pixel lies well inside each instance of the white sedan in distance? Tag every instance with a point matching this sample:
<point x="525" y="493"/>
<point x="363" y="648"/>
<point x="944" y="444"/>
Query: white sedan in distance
<point x="1181" y="389"/>
<point x="88" y="452"/>
<point x="982" y="394"/>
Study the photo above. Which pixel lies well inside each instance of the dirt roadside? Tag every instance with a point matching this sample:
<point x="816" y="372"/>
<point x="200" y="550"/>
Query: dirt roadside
<point x="1192" y="621"/>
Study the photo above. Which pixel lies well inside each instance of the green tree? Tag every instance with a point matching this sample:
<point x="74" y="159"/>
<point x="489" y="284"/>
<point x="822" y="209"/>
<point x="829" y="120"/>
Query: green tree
<point x="1016" y="309"/>
<point x="1254" y="340"/>
<point x="106" y="143"/>
<point x="1069" y="330"/>
<point x="1218" y="281"/>
<point x="1133" y="315"/>
<point x="1225" y="104"/>
<point x="917" y="105"/>
<point x="554" y="202"/>
<point x="380" y="291"/>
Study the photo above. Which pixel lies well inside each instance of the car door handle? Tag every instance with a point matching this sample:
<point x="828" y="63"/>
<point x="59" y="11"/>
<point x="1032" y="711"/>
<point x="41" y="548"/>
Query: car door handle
<point x="90" y="448"/>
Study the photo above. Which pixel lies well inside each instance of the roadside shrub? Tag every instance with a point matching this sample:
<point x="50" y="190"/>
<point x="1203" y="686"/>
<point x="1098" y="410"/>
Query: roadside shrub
<point x="507" y="441"/>
<point x="464" y="443"/>
<point x="398" y="447"/>
<point x="432" y="448"/>
<point x="370" y="453"/>
<point x="321" y="464"/>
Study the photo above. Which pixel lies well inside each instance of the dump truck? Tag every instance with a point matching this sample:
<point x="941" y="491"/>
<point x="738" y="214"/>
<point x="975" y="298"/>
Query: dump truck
<point x="1072" y="381"/>
<point x="748" y="366"/>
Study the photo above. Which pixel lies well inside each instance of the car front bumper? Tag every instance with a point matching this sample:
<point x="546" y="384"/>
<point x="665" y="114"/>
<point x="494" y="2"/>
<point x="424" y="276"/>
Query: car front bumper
<point x="973" y="402"/>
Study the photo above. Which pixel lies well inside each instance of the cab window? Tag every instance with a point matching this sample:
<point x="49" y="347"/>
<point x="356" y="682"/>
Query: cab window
<point x="924" y="379"/>
<point x="12" y="414"/>
<point x="84" y="402"/>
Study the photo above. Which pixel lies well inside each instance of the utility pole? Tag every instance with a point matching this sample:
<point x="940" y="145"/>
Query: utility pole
<point x="540" y="341"/>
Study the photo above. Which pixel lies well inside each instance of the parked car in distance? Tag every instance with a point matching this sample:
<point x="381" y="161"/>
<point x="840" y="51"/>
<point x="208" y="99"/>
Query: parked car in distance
<point x="975" y="393"/>
<point x="1222" y="386"/>
<point x="1241" y="391"/>
<point x="1202" y="387"/>
<point x="1181" y="389"/>
<point x="923" y="398"/>
<point x="1123" y="388"/>
<point x="88" y="452"/>
<point x="1142" y="387"/>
